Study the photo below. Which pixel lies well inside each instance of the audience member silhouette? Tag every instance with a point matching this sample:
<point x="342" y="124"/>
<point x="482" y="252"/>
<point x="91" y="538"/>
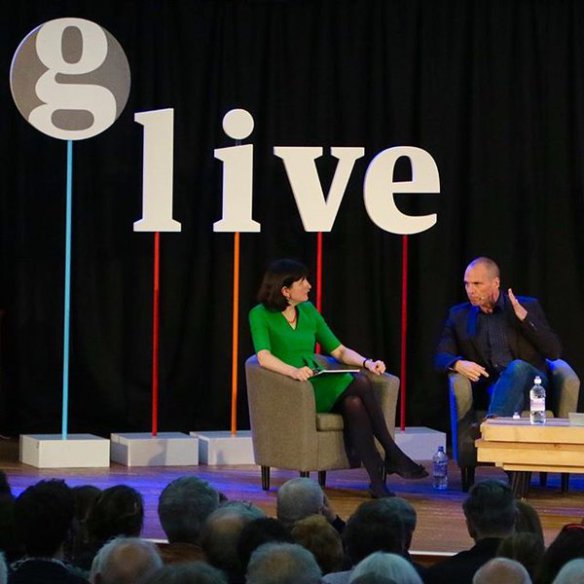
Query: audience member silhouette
<point x="571" y="573"/>
<point x="490" y="513"/>
<point x="525" y="548"/>
<point x="125" y="560"/>
<point x="320" y="538"/>
<point x="9" y="543"/>
<point x="183" y="508"/>
<point x="501" y="570"/>
<point x="567" y="545"/>
<point x="187" y="573"/>
<point x="221" y="533"/>
<point x="381" y="565"/>
<point x="84" y="497"/>
<point x="282" y="563"/>
<point x="43" y="514"/>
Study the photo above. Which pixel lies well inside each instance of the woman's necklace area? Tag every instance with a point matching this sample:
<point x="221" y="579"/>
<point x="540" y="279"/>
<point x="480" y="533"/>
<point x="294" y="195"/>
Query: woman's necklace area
<point x="293" y="320"/>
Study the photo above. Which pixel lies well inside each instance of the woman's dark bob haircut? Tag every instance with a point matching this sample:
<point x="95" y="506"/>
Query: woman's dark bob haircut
<point x="280" y="273"/>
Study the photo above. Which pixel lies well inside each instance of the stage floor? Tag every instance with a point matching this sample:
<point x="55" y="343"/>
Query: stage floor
<point x="441" y="526"/>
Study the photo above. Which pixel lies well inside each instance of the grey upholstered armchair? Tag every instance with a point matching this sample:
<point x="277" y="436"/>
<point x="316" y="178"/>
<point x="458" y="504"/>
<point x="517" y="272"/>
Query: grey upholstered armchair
<point x="288" y="433"/>
<point x="565" y="388"/>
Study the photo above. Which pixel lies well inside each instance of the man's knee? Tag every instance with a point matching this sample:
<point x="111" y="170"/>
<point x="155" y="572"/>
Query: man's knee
<point x="520" y="368"/>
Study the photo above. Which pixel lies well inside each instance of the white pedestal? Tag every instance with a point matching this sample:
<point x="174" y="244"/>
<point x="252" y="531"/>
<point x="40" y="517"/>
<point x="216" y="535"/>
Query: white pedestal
<point x="419" y="442"/>
<point x="221" y="447"/>
<point x="164" y="449"/>
<point x="76" y="451"/>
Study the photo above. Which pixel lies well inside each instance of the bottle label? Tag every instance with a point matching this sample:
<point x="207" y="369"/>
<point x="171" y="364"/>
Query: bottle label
<point x="537" y="405"/>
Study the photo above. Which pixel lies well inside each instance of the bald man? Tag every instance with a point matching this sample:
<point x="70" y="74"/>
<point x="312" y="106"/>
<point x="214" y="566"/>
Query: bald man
<point x="497" y="340"/>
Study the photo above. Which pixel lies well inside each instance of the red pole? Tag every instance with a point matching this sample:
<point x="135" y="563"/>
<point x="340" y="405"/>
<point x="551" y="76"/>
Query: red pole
<point x="155" y="332"/>
<point x="404" y="332"/>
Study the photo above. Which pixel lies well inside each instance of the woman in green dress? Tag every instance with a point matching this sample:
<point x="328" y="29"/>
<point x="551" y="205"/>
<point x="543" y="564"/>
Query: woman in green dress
<point x="285" y="328"/>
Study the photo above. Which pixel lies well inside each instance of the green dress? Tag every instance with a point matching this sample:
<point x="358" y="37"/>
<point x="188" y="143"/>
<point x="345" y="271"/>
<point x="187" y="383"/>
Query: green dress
<point x="270" y="331"/>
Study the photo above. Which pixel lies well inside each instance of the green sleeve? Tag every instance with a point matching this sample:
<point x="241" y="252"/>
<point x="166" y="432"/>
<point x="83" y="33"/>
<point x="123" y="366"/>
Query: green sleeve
<point x="259" y="329"/>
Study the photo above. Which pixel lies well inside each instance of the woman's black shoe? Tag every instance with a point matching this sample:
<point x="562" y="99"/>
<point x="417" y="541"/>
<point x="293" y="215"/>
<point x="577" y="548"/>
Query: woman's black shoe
<point x="380" y="491"/>
<point x="408" y="470"/>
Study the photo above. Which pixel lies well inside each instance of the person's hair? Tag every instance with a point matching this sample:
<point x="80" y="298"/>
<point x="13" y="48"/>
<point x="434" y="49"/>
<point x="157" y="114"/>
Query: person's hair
<point x="571" y="573"/>
<point x="374" y="527"/>
<point x="408" y="515"/>
<point x="298" y="498"/>
<point x="189" y="573"/>
<point x="490" y="265"/>
<point x="318" y="536"/>
<point x="523" y="547"/>
<point x="221" y="534"/>
<point x="282" y="563"/>
<point x="280" y="273"/>
<point x="183" y="507"/>
<point x="490" y="509"/>
<point x="567" y="545"/>
<point x="43" y="514"/>
<point x="118" y="510"/>
<point x="379" y="565"/>
<point x="258" y="532"/>
<point x="83" y="496"/>
<point x="125" y="560"/>
<point x="502" y="570"/>
<point x="528" y="521"/>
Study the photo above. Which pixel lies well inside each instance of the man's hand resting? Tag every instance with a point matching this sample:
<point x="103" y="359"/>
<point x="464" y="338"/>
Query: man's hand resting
<point x="470" y="369"/>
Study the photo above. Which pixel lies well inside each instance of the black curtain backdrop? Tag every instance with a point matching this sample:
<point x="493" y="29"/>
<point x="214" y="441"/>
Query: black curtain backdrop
<point x="493" y="90"/>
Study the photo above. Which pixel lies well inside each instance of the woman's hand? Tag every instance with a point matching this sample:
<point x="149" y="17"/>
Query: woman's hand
<point x="377" y="367"/>
<point x="301" y="373"/>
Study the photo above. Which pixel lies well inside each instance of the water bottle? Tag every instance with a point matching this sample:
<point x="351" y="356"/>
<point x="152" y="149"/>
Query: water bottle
<point x="537" y="402"/>
<point x="440" y="469"/>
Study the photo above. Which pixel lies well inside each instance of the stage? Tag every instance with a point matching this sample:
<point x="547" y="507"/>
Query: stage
<point x="441" y="526"/>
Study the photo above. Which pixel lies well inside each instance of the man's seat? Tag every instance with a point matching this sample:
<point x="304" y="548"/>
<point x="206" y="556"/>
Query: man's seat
<point x="464" y="419"/>
<point x="286" y="430"/>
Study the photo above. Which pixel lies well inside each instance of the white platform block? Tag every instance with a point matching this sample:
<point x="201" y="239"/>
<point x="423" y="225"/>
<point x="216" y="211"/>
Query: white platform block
<point x="164" y="449"/>
<point x="221" y="447"/>
<point x="419" y="442"/>
<point x="75" y="451"/>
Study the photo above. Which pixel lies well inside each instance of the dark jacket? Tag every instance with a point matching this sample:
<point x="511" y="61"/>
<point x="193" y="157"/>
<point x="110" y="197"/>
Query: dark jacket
<point x="530" y="340"/>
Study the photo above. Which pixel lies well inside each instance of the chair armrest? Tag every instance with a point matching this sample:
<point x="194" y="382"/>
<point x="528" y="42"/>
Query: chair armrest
<point x="566" y="385"/>
<point x="280" y="406"/>
<point x="386" y="388"/>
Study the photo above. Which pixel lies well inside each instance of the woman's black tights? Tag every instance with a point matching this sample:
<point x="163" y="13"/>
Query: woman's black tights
<point x="363" y="421"/>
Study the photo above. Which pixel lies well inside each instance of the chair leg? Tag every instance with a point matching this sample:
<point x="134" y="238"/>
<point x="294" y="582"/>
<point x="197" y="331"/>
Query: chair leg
<point x="304" y="473"/>
<point x="543" y="479"/>
<point x="467" y="474"/>
<point x="565" y="482"/>
<point x="520" y="483"/>
<point x="266" y="478"/>
<point x="322" y="478"/>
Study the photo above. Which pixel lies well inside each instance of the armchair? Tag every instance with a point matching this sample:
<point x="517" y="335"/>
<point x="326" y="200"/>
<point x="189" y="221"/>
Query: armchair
<point x="563" y="398"/>
<point x="288" y="433"/>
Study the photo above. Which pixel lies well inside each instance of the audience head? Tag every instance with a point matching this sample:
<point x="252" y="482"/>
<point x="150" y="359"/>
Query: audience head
<point x="183" y="507"/>
<point x="375" y="526"/>
<point x="490" y="510"/>
<point x="320" y="538"/>
<point x="221" y="533"/>
<point x="118" y="510"/>
<point x="258" y="532"/>
<point x="190" y="573"/>
<point x="3" y="570"/>
<point x="528" y="521"/>
<point x="282" y="563"/>
<point x="501" y="570"/>
<point x="125" y="560"/>
<point x="567" y="545"/>
<point x="408" y="515"/>
<point x="380" y="567"/>
<point x="43" y="514"/>
<point x="525" y="548"/>
<point x="571" y="573"/>
<point x="298" y="498"/>
<point x="9" y="542"/>
<point x="280" y="274"/>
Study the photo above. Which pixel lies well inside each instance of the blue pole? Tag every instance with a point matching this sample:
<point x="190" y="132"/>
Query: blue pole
<point x="67" y="310"/>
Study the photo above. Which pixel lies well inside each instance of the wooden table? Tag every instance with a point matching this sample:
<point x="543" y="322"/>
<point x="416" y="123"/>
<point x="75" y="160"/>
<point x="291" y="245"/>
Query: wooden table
<point x="523" y="448"/>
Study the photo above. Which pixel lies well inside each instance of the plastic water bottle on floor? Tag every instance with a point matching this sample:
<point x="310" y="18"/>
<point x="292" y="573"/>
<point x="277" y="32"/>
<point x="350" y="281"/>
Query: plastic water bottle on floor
<point x="537" y="402"/>
<point x="440" y="469"/>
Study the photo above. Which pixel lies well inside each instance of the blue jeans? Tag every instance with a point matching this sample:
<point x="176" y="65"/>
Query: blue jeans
<point x="511" y="390"/>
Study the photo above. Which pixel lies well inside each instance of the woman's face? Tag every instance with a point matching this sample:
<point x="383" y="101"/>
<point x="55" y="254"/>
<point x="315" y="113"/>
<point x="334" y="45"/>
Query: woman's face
<point x="297" y="292"/>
